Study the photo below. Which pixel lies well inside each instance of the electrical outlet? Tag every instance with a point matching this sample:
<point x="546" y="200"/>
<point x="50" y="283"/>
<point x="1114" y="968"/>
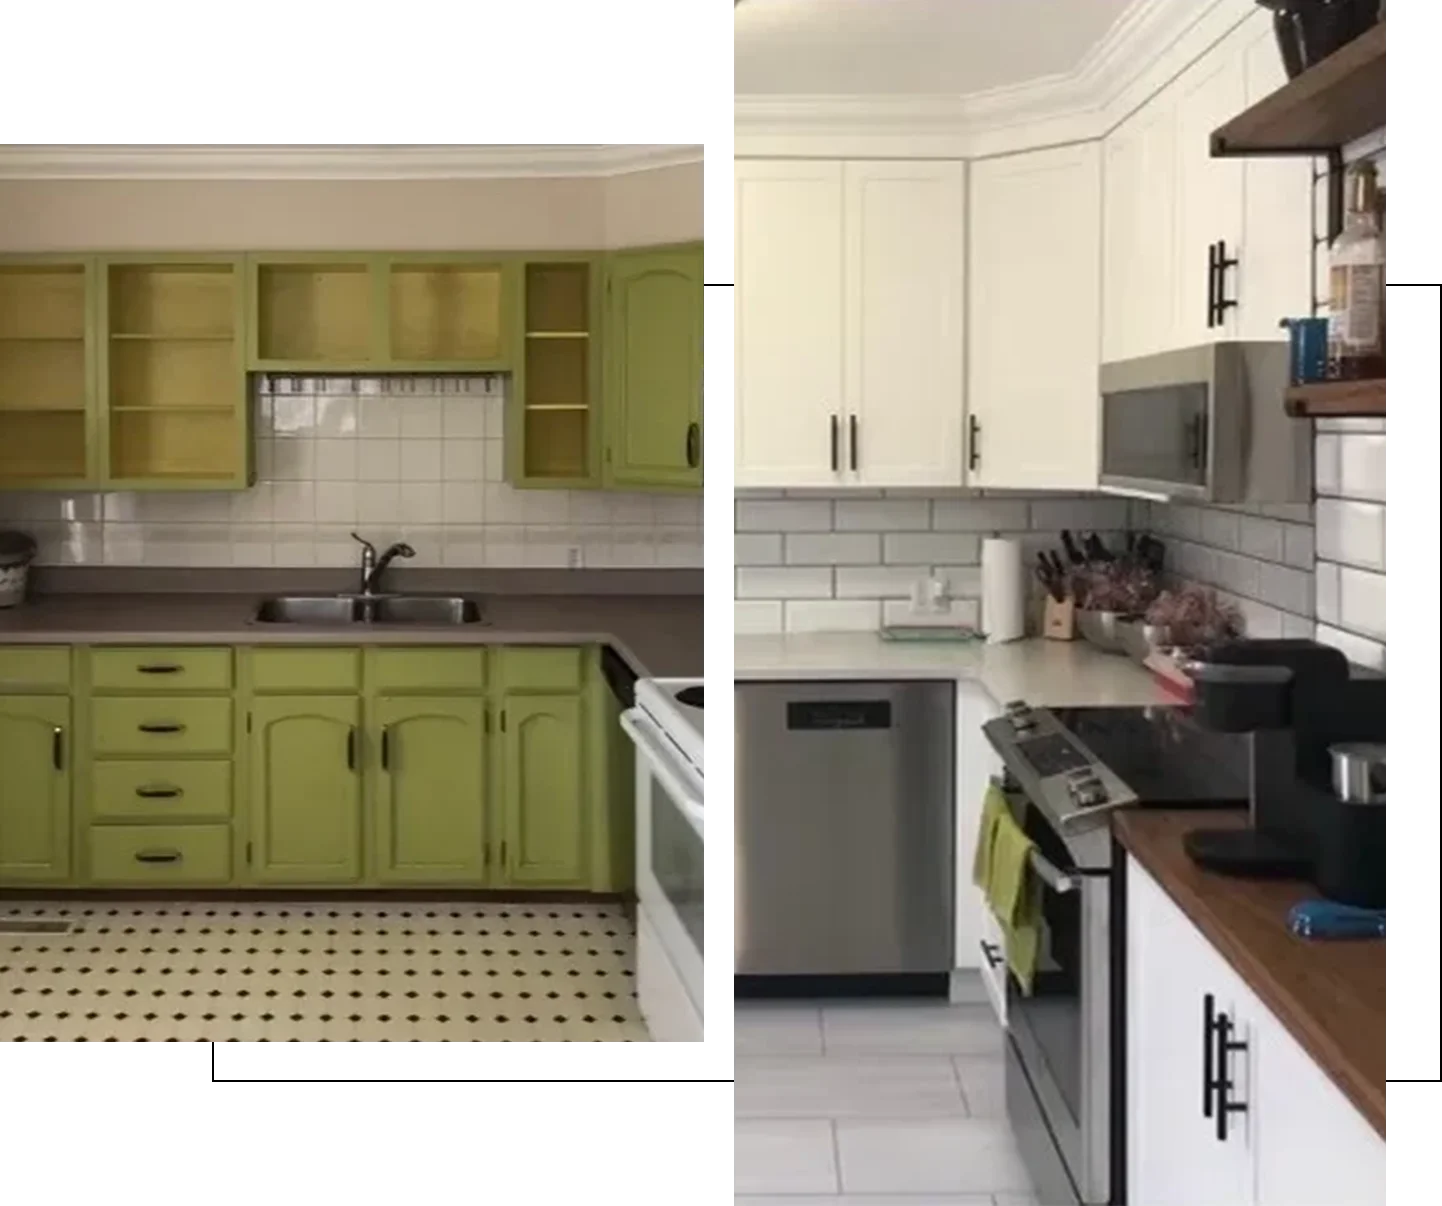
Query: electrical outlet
<point x="573" y="557"/>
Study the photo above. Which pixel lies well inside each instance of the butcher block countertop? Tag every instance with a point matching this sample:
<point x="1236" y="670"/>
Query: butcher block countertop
<point x="1331" y="996"/>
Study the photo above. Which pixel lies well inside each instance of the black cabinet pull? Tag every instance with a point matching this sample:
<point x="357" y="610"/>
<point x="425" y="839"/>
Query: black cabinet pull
<point x="57" y="748"/>
<point x="1211" y="285"/>
<point x="160" y="669"/>
<point x="386" y="748"/>
<point x="835" y="444"/>
<point x="1226" y="1045"/>
<point x="853" y="442"/>
<point x="168" y="726"/>
<point x="1223" y="302"/>
<point x="350" y="748"/>
<point x="1209" y="1063"/>
<point x="991" y="953"/>
<point x="693" y="445"/>
<point x="973" y="442"/>
<point x="158" y="793"/>
<point x="157" y="856"/>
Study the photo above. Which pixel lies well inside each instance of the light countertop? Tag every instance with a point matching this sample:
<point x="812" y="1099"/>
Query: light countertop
<point x="1044" y="673"/>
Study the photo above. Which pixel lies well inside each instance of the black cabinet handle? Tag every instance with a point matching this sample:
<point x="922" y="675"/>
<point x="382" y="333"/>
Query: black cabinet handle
<point x="57" y="748"/>
<point x="853" y="442"/>
<point x="835" y="444"/>
<point x="973" y="442"/>
<point x="1223" y="302"/>
<point x="168" y="726"/>
<point x="1226" y="1045"/>
<point x="160" y="669"/>
<point x="693" y="445"/>
<point x="350" y="748"/>
<point x="991" y="953"/>
<point x="1209" y="1062"/>
<point x="157" y="856"/>
<point x="1211" y="285"/>
<point x="158" y="793"/>
<point x="386" y="748"/>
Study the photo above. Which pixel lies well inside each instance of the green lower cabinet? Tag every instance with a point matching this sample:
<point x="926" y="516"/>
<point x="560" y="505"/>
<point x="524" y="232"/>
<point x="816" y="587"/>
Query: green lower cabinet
<point x="34" y="789"/>
<point x="430" y="797"/>
<point x="544" y="791"/>
<point x="305" y="789"/>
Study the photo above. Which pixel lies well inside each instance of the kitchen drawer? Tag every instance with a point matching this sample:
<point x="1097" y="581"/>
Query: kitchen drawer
<point x="34" y="668"/>
<point x="134" y="791"/>
<point x="160" y="726"/>
<point x="159" y="854"/>
<point x="455" y="669"/>
<point x="321" y="670"/>
<point x="160" y="668"/>
<point x="542" y="669"/>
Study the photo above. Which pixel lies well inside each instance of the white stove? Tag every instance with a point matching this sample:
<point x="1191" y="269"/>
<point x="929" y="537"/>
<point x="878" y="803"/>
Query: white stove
<point x="667" y="727"/>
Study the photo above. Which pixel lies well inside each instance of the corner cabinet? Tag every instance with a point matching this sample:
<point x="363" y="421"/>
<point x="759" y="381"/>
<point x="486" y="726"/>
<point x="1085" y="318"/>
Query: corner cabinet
<point x="35" y="754"/>
<point x="850" y="323"/>
<point x="653" y="339"/>
<point x="1035" y="318"/>
<point x="1292" y="1140"/>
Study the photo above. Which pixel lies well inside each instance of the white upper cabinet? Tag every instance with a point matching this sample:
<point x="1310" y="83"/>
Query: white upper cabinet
<point x="850" y="295"/>
<point x="905" y="312"/>
<point x="1035" y="315"/>
<point x="789" y="324"/>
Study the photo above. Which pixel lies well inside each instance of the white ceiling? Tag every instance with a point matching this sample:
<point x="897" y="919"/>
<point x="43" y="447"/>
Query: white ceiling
<point x="911" y="47"/>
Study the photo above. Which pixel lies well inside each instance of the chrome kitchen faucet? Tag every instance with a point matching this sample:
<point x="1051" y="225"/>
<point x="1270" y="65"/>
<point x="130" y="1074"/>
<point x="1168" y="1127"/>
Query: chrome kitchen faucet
<point x="373" y="566"/>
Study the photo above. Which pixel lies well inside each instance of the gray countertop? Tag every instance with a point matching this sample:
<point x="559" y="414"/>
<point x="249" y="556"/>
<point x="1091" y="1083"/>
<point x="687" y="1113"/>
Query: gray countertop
<point x="659" y="635"/>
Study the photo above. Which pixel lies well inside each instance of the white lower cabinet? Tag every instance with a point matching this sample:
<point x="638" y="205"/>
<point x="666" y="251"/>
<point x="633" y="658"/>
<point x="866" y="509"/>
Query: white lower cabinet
<point x="1280" y="1134"/>
<point x="978" y="936"/>
<point x="1034" y="314"/>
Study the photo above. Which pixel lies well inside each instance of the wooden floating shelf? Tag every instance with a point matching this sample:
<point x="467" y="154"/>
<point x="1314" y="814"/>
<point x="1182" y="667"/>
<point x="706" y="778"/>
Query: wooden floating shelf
<point x="1338" y="400"/>
<point x="1329" y="105"/>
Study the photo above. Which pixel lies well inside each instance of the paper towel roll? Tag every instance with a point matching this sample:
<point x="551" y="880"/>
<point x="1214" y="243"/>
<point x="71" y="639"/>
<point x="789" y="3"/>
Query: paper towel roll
<point x="1003" y="591"/>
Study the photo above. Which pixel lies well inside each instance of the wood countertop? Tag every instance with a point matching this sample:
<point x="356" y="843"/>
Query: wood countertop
<point x="1331" y="996"/>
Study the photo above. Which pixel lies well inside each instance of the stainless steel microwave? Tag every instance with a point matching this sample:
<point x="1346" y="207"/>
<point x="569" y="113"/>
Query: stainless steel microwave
<point x="1206" y="423"/>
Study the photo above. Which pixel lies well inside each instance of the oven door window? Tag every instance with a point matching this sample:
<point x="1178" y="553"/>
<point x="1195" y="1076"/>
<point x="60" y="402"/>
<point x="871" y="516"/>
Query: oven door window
<point x="1052" y="1015"/>
<point x="677" y="861"/>
<point x="1156" y="435"/>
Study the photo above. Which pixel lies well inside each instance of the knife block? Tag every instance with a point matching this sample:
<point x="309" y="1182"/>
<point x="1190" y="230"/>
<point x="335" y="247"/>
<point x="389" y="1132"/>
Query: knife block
<point x="1058" y="619"/>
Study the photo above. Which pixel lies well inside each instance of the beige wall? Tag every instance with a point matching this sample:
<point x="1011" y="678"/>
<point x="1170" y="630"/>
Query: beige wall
<point x="657" y="206"/>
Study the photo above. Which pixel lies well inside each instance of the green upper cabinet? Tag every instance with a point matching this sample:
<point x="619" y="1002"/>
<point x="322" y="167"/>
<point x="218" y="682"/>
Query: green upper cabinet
<point x="553" y="411"/>
<point x="174" y="408"/>
<point x="47" y="373"/>
<point x="544" y="791"/>
<point x="653" y="368"/>
<point x="305" y="789"/>
<point x="337" y="312"/>
<point x="429" y="794"/>
<point x="34" y="789"/>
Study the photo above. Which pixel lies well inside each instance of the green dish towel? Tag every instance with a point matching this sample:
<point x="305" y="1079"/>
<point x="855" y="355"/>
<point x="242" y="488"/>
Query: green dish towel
<point x="1002" y="870"/>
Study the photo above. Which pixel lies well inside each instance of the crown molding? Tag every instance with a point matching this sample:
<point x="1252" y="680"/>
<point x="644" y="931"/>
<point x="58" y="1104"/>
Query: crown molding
<point x="1150" y="38"/>
<point x="399" y="162"/>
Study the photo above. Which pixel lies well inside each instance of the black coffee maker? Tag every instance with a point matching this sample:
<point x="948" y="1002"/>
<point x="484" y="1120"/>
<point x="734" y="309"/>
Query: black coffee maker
<point x="1295" y="698"/>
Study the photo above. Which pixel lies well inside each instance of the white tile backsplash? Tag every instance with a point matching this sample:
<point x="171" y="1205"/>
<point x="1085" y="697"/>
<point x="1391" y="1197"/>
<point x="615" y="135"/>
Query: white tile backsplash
<point x="415" y="458"/>
<point x="1352" y="532"/>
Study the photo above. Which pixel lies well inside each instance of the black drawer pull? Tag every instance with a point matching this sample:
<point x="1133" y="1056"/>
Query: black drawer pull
<point x="835" y="444"/>
<point x="1209" y="1063"/>
<point x="693" y="446"/>
<point x="350" y="742"/>
<point x="168" y="726"/>
<point x="158" y="793"/>
<point x="160" y="669"/>
<point x="973" y="442"/>
<point x="386" y="748"/>
<point x="157" y="856"/>
<point x="57" y="748"/>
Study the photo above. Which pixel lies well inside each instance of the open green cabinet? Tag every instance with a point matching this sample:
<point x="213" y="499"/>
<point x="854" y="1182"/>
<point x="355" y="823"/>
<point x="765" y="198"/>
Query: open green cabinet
<point x="654" y="326"/>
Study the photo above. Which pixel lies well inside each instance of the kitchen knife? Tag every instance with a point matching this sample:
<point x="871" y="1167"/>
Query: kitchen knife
<point x="1095" y="549"/>
<point x="1073" y="553"/>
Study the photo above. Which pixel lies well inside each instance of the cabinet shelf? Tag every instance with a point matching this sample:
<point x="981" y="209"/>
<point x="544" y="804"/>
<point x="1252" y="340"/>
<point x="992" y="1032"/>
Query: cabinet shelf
<point x="42" y="338"/>
<point x="158" y="337"/>
<point x="172" y="410"/>
<point x="557" y="406"/>
<point x="558" y="334"/>
<point x="1338" y="399"/>
<point x="1329" y="105"/>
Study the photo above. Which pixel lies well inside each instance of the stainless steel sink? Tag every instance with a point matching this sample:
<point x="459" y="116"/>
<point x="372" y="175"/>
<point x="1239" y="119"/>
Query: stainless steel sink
<point x="330" y="610"/>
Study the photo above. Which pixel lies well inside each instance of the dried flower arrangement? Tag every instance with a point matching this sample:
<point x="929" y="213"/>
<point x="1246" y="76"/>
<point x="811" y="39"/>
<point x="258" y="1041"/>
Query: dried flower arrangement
<point x="1120" y="586"/>
<point x="1194" y="615"/>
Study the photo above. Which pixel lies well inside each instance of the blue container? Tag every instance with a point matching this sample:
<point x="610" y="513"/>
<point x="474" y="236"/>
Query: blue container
<point x="1308" y="360"/>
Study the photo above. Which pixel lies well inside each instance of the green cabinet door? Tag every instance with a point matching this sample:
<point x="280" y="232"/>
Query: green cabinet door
<point x="34" y="789"/>
<point x="305" y="789"/>
<point x="430" y="800"/>
<point x="653" y="369"/>
<point x="544" y="838"/>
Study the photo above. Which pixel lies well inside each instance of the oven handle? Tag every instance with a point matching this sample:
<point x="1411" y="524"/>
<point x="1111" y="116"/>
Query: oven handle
<point x="1048" y="872"/>
<point x="661" y="766"/>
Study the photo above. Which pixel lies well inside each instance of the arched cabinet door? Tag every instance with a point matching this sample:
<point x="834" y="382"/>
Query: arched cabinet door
<point x="34" y="789"/>
<point x="544" y="830"/>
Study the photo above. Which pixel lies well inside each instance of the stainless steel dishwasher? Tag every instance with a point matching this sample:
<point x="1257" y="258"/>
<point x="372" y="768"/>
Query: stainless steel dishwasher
<point x="845" y="805"/>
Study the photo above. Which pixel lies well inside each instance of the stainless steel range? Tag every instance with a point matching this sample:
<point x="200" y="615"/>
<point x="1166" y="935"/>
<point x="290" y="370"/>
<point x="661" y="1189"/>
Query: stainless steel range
<point x="1065" y="770"/>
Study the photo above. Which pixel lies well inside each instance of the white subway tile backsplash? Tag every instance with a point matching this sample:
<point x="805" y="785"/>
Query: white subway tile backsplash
<point x="831" y="615"/>
<point x="981" y="514"/>
<point x="877" y="581"/>
<point x="1329" y="592"/>
<point x="754" y="617"/>
<point x="1363" y="462"/>
<point x="882" y="515"/>
<point x="421" y="419"/>
<point x="1264" y="538"/>
<point x="832" y="548"/>
<point x="935" y="548"/>
<point x="1299" y="545"/>
<point x="1364" y="602"/>
<point x="758" y="548"/>
<point x="335" y="502"/>
<point x="1359" y="649"/>
<point x="420" y="460"/>
<point x="1354" y="533"/>
<point x="958" y="612"/>
<point x="783" y="582"/>
<point x="784" y="515"/>
<point x="1080" y="514"/>
<point x="1327" y="469"/>
<point x="335" y="459"/>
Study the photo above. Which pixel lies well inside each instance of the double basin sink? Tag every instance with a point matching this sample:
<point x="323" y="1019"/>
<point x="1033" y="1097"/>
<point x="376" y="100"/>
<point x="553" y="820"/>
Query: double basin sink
<point x="428" y="611"/>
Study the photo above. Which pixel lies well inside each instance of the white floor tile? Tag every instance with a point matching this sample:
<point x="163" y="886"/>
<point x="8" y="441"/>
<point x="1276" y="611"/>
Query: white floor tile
<point x="911" y="1027"/>
<point x="983" y="1084"/>
<point x="964" y="1155"/>
<point x="847" y="1086"/>
<point x="771" y="1029"/>
<point x="785" y="1156"/>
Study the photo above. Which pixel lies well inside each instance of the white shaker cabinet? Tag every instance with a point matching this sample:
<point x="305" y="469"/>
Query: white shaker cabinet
<point x="1293" y="1138"/>
<point x="850" y="295"/>
<point x="1034" y="314"/>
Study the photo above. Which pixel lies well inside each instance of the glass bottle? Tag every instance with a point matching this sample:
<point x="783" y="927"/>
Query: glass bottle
<point x="1356" y="323"/>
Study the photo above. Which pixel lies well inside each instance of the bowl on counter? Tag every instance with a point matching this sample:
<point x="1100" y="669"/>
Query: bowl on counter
<point x="1140" y="639"/>
<point x="1104" y="629"/>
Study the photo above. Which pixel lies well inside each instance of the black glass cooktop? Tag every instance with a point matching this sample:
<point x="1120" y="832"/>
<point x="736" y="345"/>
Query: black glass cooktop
<point x="691" y="696"/>
<point x="1162" y="754"/>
